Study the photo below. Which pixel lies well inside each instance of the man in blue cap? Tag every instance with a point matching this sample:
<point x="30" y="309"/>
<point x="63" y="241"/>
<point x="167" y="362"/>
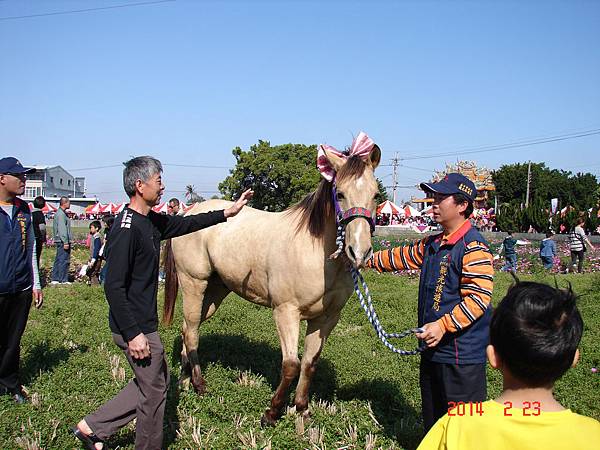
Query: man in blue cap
<point x="455" y="291"/>
<point x="19" y="277"/>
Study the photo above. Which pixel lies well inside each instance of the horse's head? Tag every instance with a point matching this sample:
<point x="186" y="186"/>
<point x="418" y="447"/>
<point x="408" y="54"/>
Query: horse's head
<point x="357" y="188"/>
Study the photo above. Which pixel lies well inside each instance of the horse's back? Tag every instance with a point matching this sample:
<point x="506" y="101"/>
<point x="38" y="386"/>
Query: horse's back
<point x="259" y="255"/>
<point x="237" y="250"/>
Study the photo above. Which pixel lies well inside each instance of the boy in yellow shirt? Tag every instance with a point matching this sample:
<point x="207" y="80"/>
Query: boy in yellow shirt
<point x="534" y="334"/>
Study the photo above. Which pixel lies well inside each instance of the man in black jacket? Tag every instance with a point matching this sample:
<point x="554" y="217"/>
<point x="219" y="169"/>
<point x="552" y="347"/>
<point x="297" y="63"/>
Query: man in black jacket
<point x="131" y="288"/>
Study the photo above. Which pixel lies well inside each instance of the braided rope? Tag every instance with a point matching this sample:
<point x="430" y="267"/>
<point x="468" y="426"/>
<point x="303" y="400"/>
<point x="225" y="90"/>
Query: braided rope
<point x="341" y="220"/>
<point x="374" y="320"/>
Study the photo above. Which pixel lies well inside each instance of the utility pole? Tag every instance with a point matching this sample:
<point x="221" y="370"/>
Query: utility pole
<point x="394" y="173"/>
<point x="528" y="183"/>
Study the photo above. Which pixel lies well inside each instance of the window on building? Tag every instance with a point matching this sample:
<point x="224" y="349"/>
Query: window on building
<point x="52" y="180"/>
<point x="61" y="181"/>
<point x="69" y="182"/>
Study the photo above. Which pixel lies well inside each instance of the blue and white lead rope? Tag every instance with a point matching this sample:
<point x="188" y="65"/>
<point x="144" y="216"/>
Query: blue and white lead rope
<point x="372" y="316"/>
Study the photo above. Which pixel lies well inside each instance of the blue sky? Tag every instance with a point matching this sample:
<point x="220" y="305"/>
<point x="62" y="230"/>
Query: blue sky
<point x="187" y="81"/>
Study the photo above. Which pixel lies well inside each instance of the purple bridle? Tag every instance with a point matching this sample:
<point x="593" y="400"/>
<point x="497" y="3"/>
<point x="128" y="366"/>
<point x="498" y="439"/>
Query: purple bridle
<point x="345" y="217"/>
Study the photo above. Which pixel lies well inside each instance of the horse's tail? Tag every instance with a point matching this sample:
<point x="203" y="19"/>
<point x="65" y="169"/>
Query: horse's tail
<point x="171" y="285"/>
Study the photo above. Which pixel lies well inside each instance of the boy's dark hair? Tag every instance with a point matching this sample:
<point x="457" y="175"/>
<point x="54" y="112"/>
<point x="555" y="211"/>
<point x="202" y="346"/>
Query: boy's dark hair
<point x="96" y="224"/>
<point x="39" y="202"/>
<point x="462" y="198"/>
<point x="108" y="222"/>
<point x="549" y="234"/>
<point x="536" y="330"/>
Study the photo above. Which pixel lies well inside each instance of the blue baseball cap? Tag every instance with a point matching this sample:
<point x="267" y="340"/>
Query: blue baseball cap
<point x="453" y="183"/>
<point x="13" y="165"/>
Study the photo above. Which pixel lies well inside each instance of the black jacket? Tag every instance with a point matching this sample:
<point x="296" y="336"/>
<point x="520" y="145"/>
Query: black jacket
<point x="133" y="251"/>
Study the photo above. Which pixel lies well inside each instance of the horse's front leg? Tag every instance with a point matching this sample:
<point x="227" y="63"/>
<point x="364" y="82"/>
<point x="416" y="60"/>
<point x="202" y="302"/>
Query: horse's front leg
<point x="317" y="331"/>
<point x="287" y="320"/>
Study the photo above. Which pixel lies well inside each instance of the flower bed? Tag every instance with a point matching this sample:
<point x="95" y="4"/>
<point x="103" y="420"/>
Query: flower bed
<point x="528" y="259"/>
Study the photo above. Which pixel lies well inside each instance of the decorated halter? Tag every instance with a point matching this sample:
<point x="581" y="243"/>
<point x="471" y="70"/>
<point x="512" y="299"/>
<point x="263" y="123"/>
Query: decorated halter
<point x="362" y="147"/>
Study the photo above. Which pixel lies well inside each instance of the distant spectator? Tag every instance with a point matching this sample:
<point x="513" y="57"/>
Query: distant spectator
<point x="173" y="207"/>
<point x="548" y="250"/>
<point x="510" y="252"/>
<point x="39" y="226"/>
<point x="108" y="223"/>
<point x="62" y="239"/>
<point x="577" y="245"/>
<point x="95" y="246"/>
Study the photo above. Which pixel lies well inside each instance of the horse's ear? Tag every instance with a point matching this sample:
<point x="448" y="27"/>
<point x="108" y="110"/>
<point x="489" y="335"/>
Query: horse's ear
<point x="335" y="161"/>
<point x="375" y="156"/>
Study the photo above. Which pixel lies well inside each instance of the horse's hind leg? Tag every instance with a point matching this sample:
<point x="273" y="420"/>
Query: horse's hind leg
<point x="201" y="298"/>
<point x="317" y="331"/>
<point x="287" y="320"/>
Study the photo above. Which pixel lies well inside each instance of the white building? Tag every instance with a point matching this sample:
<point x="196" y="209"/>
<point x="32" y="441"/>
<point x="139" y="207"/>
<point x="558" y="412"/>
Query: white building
<point x="54" y="182"/>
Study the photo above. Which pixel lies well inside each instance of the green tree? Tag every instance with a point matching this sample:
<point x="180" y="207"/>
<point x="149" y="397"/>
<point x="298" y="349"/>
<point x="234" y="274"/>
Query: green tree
<point x="584" y="187"/>
<point x="537" y="215"/>
<point x="580" y="190"/>
<point x="382" y="196"/>
<point x="280" y="175"/>
<point x="510" y="217"/>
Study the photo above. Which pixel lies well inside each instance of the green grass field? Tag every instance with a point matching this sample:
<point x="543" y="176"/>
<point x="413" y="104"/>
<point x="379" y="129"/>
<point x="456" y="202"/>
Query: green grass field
<point x="363" y="396"/>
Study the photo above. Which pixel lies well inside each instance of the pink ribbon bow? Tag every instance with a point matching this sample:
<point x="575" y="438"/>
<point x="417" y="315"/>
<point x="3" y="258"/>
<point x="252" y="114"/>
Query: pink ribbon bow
<point x="361" y="147"/>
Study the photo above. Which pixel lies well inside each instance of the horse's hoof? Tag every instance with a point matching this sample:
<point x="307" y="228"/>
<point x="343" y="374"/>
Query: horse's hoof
<point x="199" y="388"/>
<point x="267" y="419"/>
<point x="301" y="408"/>
<point x="184" y="383"/>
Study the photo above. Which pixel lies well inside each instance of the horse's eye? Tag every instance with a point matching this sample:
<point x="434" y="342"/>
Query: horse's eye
<point x="375" y="196"/>
<point x="340" y="196"/>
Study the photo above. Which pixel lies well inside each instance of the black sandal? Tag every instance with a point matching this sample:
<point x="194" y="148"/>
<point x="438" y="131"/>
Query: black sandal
<point x="88" y="440"/>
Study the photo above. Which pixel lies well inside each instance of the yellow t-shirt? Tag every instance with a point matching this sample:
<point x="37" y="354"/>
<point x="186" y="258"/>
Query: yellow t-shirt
<point x="494" y="429"/>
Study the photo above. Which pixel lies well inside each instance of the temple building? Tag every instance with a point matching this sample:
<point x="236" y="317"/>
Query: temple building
<point x="480" y="176"/>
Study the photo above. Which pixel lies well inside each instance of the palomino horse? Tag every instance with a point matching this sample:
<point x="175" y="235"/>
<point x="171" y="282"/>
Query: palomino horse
<point x="282" y="261"/>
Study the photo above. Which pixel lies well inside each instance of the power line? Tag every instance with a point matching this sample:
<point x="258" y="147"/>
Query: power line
<point x="417" y="168"/>
<point x="195" y="166"/>
<point x="73" y="11"/>
<point x="517" y="144"/>
<point x="94" y="168"/>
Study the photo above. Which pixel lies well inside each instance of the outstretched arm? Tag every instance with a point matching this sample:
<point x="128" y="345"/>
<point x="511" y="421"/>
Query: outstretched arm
<point x="399" y="258"/>
<point x="173" y="226"/>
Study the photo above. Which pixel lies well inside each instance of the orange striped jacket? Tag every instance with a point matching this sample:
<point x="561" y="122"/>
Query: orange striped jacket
<point x="475" y="281"/>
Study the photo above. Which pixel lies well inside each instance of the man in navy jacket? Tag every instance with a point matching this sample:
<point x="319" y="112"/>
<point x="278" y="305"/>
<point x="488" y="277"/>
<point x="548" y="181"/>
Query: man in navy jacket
<point x="19" y="277"/>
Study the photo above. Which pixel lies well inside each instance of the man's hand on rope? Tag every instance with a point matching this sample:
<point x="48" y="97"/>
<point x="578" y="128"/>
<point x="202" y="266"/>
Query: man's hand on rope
<point x="432" y="334"/>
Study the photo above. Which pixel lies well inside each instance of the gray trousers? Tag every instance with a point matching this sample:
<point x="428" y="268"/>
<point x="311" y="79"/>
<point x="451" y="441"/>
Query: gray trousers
<point x="143" y="398"/>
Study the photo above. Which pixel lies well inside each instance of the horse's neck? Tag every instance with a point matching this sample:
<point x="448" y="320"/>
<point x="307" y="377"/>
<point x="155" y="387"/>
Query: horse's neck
<point x="329" y="236"/>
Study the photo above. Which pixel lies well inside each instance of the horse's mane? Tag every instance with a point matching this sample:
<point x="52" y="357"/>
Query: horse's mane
<point x="317" y="208"/>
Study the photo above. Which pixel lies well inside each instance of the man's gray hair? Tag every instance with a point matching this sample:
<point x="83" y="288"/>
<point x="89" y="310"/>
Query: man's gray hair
<point x="64" y="200"/>
<point x="139" y="168"/>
